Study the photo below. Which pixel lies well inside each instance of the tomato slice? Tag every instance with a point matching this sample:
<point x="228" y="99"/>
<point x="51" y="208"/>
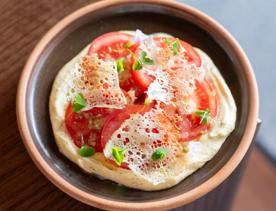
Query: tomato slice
<point x="143" y="79"/>
<point x="205" y="97"/>
<point x="113" y="46"/>
<point x="85" y="127"/>
<point x="115" y="120"/>
<point x="191" y="55"/>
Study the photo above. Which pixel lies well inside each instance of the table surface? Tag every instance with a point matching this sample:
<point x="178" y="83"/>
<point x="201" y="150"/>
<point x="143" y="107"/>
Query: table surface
<point x="22" y="24"/>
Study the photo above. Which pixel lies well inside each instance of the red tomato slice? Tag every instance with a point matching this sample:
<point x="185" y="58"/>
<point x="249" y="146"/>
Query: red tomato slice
<point x="205" y="98"/>
<point x="113" y="46"/>
<point x="115" y="120"/>
<point x="85" y="127"/>
<point x="144" y="80"/>
<point x="191" y="55"/>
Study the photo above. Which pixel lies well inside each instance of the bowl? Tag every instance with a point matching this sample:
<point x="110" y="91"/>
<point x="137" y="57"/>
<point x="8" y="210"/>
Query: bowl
<point x="71" y="35"/>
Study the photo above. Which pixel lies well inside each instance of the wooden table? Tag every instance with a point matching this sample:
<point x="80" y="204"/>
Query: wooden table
<point x="22" y="24"/>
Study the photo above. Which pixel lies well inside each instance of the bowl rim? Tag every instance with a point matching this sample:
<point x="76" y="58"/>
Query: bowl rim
<point x="175" y="201"/>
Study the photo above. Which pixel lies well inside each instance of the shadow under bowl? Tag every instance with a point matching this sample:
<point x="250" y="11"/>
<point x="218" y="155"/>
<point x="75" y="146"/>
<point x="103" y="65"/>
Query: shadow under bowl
<point x="76" y="31"/>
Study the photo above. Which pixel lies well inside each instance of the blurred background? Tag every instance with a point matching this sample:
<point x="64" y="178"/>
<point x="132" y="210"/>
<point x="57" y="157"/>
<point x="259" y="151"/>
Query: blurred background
<point x="253" y="24"/>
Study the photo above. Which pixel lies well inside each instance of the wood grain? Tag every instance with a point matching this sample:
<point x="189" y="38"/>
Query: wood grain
<point x="22" y="24"/>
<point x="22" y="186"/>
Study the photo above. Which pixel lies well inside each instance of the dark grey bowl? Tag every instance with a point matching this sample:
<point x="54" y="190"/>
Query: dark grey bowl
<point x="70" y="36"/>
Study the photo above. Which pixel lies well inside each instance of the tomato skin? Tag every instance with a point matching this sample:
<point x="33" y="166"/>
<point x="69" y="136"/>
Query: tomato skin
<point x="110" y="45"/>
<point x="144" y="80"/>
<point x="72" y="128"/>
<point x="115" y="120"/>
<point x="191" y="55"/>
<point x="191" y="128"/>
<point x="85" y="127"/>
<point x="204" y="96"/>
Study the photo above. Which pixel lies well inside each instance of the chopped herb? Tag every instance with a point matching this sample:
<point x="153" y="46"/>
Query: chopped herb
<point x="120" y="65"/>
<point x="118" y="155"/>
<point x="167" y="40"/>
<point x="147" y="101"/>
<point x="129" y="44"/>
<point x="185" y="149"/>
<point x="145" y="59"/>
<point x="159" y="154"/>
<point x="78" y="102"/>
<point x="137" y="65"/>
<point x="204" y="115"/>
<point x="175" y="46"/>
<point x="86" y="151"/>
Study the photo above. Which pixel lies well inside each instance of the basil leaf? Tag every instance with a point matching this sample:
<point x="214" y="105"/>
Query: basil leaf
<point x="86" y="151"/>
<point x="159" y="154"/>
<point x="167" y="40"/>
<point x="175" y="45"/>
<point x="78" y="102"/>
<point x="137" y="65"/>
<point x="204" y="115"/>
<point x="145" y="59"/>
<point x="118" y="155"/>
<point x="120" y="65"/>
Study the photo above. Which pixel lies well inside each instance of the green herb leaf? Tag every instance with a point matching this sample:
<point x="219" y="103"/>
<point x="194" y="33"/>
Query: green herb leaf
<point x="204" y="115"/>
<point x="145" y="59"/>
<point x="78" y="102"/>
<point x="167" y="40"/>
<point x="147" y="101"/>
<point x="185" y="149"/>
<point x="118" y="155"/>
<point x="86" y="151"/>
<point x="137" y="65"/>
<point x="120" y="65"/>
<point x="159" y="154"/>
<point x="129" y="44"/>
<point x="175" y="45"/>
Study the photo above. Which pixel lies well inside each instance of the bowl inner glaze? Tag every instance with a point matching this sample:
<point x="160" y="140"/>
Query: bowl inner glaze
<point x="149" y="18"/>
